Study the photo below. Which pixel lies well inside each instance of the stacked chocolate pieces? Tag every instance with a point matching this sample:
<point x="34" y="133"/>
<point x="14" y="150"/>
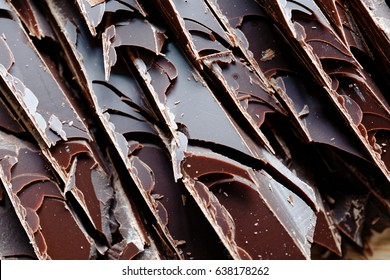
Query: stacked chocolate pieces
<point x="199" y="129"/>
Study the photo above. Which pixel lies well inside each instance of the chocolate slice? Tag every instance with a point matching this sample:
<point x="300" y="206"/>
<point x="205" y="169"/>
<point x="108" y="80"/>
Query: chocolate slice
<point x="41" y="207"/>
<point x="236" y="191"/>
<point x="35" y="22"/>
<point x="372" y="19"/>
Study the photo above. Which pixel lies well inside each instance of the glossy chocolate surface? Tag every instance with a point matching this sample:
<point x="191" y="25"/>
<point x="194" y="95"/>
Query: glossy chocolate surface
<point x="203" y="129"/>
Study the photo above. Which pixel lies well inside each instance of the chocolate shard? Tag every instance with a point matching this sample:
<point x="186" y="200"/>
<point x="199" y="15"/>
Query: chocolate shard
<point x="94" y="10"/>
<point x="194" y="18"/>
<point x="39" y="204"/>
<point x="93" y="13"/>
<point x="138" y="33"/>
<point x="21" y="82"/>
<point x="326" y="233"/>
<point x="351" y="223"/>
<point x="223" y="185"/>
<point x="135" y="237"/>
<point x="6" y="58"/>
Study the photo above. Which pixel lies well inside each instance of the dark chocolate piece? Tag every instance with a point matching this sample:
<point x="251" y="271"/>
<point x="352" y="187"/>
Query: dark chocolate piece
<point x="259" y="208"/>
<point x="53" y="121"/>
<point x="94" y="10"/>
<point x="326" y="233"/>
<point x="349" y="217"/>
<point x="41" y="207"/>
<point x="93" y="13"/>
<point x="35" y="22"/>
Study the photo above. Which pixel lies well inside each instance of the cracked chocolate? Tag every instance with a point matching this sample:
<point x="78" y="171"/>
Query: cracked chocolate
<point x="173" y="130"/>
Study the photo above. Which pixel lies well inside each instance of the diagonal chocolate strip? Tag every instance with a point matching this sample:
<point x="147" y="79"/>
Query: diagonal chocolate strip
<point x="39" y="203"/>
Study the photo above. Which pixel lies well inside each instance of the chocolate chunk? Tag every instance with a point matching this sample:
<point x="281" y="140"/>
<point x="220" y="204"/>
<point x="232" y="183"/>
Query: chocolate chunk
<point x="93" y="13"/>
<point x="21" y="81"/>
<point x="40" y="205"/>
<point x="145" y="36"/>
<point x="210" y="50"/>
<point x="243" y="192"/>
